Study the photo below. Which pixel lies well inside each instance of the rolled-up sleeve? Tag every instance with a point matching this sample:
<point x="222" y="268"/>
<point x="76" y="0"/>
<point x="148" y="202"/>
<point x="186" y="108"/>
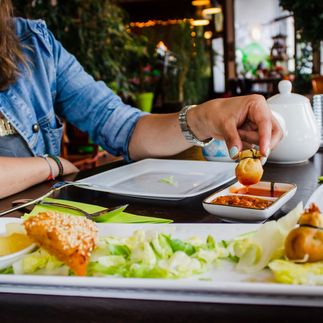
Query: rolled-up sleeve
<point x="90" y="105"/>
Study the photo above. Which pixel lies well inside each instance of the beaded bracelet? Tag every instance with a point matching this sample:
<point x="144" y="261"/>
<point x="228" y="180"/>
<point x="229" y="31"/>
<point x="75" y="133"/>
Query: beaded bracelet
<point x="59" y="165"/>
<point x="51" y="173"/>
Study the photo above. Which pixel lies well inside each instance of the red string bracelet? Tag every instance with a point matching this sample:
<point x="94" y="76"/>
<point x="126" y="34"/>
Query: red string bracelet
<point x="51" y="173"/>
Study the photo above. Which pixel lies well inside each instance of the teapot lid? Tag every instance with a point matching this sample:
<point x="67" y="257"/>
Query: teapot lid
<point x="286" y="96"/>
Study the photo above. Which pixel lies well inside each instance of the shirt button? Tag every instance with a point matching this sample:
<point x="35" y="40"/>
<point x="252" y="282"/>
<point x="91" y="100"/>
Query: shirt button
<point x="35" y="127"/>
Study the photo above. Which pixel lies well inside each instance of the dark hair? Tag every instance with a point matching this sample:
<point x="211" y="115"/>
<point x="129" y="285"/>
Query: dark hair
<point x="11" y="54"/>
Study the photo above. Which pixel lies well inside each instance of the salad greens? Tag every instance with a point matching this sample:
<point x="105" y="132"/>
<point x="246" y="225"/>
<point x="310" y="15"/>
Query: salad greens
<point x="257" y="250"/>
<point x="141" y="255"/>
<point x="154" y="255"/>
<point x="288" y="272"/>
<point x="149" y="254"/>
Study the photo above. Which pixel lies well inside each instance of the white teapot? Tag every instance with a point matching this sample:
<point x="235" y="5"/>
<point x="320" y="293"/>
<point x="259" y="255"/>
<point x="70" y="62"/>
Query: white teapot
<point x="301" y="132"/>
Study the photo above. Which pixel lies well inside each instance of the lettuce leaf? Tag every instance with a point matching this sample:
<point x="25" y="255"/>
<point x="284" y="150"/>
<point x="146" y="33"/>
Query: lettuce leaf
<point x="266" y="244"/>
<point x="40" y="262"/>
<point x="154" y="255"/>
<point x="288" y="272"/>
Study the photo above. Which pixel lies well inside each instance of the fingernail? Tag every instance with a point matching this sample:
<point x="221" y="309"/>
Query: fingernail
<point x="234" y="151"/>
<point x="264" y="159"/>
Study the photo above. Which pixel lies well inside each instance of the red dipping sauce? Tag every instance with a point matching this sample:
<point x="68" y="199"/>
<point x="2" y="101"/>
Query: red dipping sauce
<point x="249" y="190"/>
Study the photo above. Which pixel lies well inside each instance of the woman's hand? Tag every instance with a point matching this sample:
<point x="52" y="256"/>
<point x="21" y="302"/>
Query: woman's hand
<point x="240" y="121"/>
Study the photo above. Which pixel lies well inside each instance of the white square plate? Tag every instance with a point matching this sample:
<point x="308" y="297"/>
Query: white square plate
<point x="223" y="284"/>
<point x="237" y="213"/>
<point x="146" y="178"/>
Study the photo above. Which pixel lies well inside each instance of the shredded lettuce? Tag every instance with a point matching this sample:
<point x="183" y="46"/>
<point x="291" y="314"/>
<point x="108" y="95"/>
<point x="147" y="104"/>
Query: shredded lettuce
<point x="154" y="255"/>
<point x="288" y="272"/>
<point x="266" y="244"/>
<point x="40" y="262"/>
<point x="6" y="271"/>
<point x="141" y="255"/>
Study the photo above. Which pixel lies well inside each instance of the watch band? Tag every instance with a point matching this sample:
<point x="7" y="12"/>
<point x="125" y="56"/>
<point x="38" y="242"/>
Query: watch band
<point x="186" y="130"/>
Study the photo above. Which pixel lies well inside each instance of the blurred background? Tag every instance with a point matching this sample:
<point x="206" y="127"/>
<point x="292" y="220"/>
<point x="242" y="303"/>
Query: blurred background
<point x="159" y="55"/>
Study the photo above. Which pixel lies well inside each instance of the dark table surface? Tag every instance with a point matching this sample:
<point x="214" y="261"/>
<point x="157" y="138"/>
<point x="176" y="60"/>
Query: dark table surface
<point x="35" y="308"/>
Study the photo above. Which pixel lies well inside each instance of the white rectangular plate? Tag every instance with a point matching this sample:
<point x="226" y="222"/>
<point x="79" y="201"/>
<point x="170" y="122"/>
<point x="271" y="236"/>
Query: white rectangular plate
<point x="317" y="198"/>
<point x="223" y="284"/>
<point x="145" y="178"/>
<point x="236" y="213"/>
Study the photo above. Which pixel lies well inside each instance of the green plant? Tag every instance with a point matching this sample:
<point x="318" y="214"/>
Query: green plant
<point x="186" y="79"/>
<point x="308" y="17"/>
<point x="95" y="32"/>
<point x="145" y="80"/>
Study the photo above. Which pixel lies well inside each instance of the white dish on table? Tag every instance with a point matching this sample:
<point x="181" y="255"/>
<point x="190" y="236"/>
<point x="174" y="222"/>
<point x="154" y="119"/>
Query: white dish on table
<point x="238" y="213"/>
<point x="146" y="178"/>
<point x="317" y="198"/>
<point x="8" y="260"/>
<point x="221" y="285"/>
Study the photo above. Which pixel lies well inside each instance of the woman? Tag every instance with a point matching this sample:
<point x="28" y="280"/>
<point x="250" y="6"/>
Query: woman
<point x="41" y="82"/>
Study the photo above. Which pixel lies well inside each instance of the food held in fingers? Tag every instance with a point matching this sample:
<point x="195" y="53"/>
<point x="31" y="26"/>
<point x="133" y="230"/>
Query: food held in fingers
<point x="249" y="170"/>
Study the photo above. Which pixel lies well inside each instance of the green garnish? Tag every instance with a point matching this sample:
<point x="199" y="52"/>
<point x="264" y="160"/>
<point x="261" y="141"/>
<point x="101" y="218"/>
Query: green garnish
<point x="168" y="180"/>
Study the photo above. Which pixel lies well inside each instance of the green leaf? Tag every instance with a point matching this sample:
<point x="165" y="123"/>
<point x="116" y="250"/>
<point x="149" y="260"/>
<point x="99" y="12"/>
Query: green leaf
<point x="179" y="245"/>
<point x="119" y="250"/>
<point x="6" y="271"/>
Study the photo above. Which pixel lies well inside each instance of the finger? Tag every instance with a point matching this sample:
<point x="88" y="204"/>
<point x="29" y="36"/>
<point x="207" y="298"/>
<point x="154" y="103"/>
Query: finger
<point x="249" y="125"/>
<point x="232" y="139"/>
<point x="251" y="137"/>
<point x="259" y="113"/>
<point x="263" y="160"/>
<point x="264" y="131"/>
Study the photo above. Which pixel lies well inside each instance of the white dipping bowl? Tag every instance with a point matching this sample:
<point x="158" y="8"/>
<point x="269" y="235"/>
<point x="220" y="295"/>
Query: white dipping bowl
<point x="8" y="260"/>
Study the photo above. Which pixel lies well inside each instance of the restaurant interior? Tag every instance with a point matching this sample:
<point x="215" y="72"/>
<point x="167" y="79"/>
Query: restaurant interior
<point x="209" y="234"/>
<point x="160" y="55"/>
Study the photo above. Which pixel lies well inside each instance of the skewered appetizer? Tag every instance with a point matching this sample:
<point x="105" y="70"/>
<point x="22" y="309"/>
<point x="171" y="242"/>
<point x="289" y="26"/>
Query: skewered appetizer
<point x="249" y="170"/>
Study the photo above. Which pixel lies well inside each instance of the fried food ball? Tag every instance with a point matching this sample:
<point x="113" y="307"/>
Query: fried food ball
<point x="249" y="170"/>
<point x="305" y="243"/>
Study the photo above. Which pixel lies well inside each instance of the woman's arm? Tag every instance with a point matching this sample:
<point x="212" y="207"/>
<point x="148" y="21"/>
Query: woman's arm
<point x="239" y="121"/>
<point x="18" y="174"/>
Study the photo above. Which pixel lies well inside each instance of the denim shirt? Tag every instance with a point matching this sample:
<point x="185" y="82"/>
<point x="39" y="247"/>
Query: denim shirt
<point x="57" y="86"/>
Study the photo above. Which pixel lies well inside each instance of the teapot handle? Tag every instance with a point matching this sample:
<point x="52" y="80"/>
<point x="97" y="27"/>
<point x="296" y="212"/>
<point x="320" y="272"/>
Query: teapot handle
<point x="281" y="122"/>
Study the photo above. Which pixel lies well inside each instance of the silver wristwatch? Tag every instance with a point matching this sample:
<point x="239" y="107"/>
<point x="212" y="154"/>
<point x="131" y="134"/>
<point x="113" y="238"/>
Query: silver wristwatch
<point x="187" y="132"/>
